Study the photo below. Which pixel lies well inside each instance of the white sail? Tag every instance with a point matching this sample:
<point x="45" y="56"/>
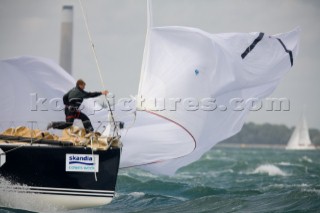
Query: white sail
<point x="206" y="71"/>
<point x="32" y="90"/>
<point x="300" y="139"/>
<point x="192" y="65"/>
<point x="179" y="63"/>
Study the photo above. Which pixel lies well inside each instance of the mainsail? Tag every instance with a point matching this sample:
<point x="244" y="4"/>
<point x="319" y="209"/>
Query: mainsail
<point x="300" y="139"/>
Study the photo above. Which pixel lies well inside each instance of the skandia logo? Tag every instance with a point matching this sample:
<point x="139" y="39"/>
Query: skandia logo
<point x="85" y="160"/>
<point x="82" y="163"/>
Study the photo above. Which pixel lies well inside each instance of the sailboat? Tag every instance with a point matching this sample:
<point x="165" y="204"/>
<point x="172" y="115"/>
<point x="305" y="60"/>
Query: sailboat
<point x="71" y="171"/>
<point x="61" y="175"/>
<point x="182" y="65"/>
<point x="66" y="172"/>
<point x="300" y="139"/>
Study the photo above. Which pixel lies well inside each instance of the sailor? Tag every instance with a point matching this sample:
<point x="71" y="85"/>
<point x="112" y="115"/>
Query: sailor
<point x="72" y="101"/>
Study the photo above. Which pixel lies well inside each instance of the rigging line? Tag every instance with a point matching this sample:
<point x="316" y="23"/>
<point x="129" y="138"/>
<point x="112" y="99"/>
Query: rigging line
<point x="94" y="160"/>
<point x="96" y="60"/>
<point x="92" y="45"/>
<point x="10" y="150"/>
<point x="134" y="121"/>
<point x="176" y="123"/>
<point x="18" y="147"/>
<point x="164" y="160"/>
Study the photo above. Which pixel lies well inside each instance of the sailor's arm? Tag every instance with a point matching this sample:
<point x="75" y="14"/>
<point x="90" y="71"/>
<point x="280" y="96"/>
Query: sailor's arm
<point x="95" y="94"/>
<point x="105" y="92"/>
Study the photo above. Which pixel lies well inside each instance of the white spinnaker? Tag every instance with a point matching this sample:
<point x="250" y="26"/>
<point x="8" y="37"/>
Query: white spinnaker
<point x="183" y="63"/>
<point x="179" y="63"/>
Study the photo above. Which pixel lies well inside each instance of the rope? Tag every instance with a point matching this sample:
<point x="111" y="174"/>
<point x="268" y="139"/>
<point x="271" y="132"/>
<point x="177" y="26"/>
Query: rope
<point x="10" y="150"/>
<point x="91" y="42"/>
<point x="96" y="60"/>
<point x="134" y="121"/>
<point x="94" y="160"/>
<point x="18" y="147"/>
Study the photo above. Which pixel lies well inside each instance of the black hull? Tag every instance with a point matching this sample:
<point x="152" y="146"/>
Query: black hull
<point x="44" y="171"/>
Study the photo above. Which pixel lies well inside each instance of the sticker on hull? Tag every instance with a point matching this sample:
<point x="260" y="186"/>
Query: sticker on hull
<point x="82" y="163"/>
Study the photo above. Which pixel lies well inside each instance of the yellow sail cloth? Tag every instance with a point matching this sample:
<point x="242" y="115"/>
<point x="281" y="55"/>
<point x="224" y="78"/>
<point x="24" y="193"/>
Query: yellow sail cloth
<point x="22" y="131"/>
<point x="72" y="134"/>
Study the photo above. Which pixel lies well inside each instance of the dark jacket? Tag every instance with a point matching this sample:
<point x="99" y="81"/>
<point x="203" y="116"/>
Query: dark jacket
<point x="75" y="96"/>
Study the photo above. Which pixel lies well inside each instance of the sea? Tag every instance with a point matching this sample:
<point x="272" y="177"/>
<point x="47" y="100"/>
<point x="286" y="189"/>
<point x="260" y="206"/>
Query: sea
<point x="225" y="179"/>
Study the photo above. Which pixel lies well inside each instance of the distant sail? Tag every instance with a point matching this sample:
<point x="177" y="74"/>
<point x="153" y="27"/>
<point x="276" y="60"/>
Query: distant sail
<point x="300" y="139"/>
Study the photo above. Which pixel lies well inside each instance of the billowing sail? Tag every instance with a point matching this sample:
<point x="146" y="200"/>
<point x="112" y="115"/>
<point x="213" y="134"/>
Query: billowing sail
<point x="300" y="139"/>
<point x="194" y="82"/>
<point x="32" y="90"/>
<point x="193" y="86"/>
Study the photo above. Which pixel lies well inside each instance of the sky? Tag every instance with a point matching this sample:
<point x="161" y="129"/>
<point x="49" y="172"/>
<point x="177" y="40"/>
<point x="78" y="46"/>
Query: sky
<point x="118" y="29"/>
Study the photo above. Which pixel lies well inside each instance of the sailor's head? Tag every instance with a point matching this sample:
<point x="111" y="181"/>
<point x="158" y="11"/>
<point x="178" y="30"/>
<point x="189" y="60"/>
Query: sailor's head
<point x="81" y="84"/>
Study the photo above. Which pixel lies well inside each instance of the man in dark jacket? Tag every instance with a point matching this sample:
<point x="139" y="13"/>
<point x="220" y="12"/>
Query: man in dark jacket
<point x="72" y="101"/>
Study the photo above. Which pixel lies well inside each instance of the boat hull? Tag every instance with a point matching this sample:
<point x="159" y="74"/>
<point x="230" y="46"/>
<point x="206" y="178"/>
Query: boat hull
<point x="60" y="176"/>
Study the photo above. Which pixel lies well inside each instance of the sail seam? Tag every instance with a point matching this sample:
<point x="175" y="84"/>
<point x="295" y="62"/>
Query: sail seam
<point x="251" y="47"/>
<point x="287" y="51"/>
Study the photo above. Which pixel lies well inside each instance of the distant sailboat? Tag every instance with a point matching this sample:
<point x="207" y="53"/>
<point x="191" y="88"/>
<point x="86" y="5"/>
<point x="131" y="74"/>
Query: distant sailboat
<point x="300" y="139"/>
